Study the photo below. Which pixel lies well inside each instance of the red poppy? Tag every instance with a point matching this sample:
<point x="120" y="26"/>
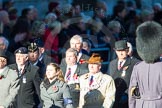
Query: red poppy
<point x="55" y="88"/>
<point x="75" y="76"/>
<point x="1" y="77"/>
<point x="82" y="61"/>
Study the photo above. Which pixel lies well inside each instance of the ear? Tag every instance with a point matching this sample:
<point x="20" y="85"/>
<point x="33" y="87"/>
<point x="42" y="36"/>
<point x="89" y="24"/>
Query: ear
<point x="26" y="58"/>
<point x="99" y="66"/>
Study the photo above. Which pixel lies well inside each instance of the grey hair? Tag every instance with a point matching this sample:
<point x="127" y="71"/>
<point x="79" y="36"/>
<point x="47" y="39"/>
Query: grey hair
<point x="73" y="51"/>
<point x="113" y="24"/>
<point x="5" y="41"/>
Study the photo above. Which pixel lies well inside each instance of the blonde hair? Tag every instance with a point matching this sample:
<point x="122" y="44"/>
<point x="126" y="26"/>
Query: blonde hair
<point x="57" y="69"/>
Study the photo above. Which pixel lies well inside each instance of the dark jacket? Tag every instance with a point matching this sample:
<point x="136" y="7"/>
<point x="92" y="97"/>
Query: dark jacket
<point x="121" y="80"/>
<point x="29" y="86"/>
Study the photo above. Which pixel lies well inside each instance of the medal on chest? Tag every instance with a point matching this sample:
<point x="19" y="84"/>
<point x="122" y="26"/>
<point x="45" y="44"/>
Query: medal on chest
<point x="124" y="71"/>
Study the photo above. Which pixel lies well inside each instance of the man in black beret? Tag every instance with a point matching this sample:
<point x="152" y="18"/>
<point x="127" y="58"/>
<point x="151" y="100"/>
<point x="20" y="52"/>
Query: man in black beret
<point x="120" y="69"/>
<point x="29" y="80"/>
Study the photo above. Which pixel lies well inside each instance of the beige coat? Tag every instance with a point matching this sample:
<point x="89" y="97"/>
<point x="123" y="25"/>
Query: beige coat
<point x="101" y="94"/>
<point x="8" y="87"/>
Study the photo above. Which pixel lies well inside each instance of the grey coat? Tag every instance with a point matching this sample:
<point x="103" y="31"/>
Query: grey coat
<point x="54" y="94"/>
<point x="149" y="79"/>
<point x="9" y="85"/>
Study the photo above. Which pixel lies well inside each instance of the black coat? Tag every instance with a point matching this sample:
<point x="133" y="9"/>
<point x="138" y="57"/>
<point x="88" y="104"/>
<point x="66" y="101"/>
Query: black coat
<point x="122" y="82"/>
<point x="29" y="92"/>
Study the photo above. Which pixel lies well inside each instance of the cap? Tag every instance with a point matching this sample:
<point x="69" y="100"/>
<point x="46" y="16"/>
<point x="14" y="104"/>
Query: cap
<point x="21" y="50"/>
<point x="95" y="58"/>
<point x="32" y="47"/>
<point x="121" y="45"/>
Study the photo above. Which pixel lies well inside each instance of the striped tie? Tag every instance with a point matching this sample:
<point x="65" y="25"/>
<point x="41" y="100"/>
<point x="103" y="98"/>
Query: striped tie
<point x="91" y="81"/>
<point x="120" y="65"/>
<point x="68" y="74"/>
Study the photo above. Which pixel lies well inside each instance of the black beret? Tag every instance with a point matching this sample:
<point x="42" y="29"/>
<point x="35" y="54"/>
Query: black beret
<point x="21" y="50"/>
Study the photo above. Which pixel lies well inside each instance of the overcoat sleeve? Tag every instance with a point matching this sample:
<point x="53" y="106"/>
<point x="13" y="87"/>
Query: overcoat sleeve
<point x="14" y="87"/>
<point x="133" y="83"/>
<point x="110" y="94"/>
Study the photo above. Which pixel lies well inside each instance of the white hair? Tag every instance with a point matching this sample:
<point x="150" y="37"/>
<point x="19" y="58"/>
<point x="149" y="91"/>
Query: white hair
<point x="76" y="37"/>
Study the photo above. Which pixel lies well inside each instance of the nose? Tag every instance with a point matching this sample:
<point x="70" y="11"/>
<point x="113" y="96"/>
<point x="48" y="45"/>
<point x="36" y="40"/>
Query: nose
<point x="91" y="66"/>
<point x="121" y="52"/>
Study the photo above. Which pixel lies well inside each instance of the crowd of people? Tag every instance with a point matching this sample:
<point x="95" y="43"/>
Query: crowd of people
<point x="49" y="63"/>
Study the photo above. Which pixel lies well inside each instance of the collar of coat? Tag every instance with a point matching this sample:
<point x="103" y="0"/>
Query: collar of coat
<point x="5" y="72"/>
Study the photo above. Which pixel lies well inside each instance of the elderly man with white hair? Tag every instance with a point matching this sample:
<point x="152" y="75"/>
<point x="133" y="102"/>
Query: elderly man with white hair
<point x="76" y="42"/>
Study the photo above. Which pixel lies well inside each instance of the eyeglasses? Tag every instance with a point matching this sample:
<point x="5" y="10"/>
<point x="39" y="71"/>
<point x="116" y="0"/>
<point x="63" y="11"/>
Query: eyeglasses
<point x="3" y="60"/>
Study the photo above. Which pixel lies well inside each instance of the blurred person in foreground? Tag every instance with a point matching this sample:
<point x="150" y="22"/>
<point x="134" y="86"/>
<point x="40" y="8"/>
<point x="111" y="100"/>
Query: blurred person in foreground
<point x="145" y="89"/>
<point x="97" y="90"/>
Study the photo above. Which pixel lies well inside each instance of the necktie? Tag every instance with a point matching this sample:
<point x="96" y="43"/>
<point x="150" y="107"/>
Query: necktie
<point x="68" y="74"/>
<point x="20" y="72"/>
<point x="120" y="65"/>
<point x="91" y="81"/>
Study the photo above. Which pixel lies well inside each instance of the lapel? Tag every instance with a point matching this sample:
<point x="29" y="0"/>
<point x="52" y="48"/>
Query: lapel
<point x="97" y="81"/>
<point x="127" y="63"/>
<point x="77" y="71"/>
<point x="115" y="66"/>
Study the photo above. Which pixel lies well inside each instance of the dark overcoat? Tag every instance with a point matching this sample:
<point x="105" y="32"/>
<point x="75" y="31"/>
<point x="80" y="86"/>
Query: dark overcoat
<point x="122" y="79"/>
<point x="29" y="86"/>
